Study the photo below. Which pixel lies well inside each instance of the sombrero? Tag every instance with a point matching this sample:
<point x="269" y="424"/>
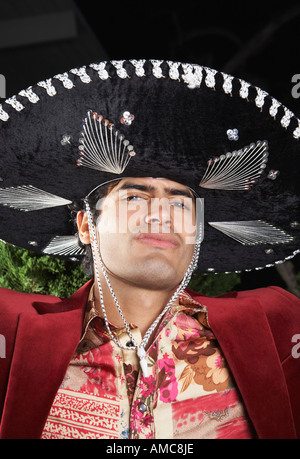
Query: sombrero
<point x="231" y="142"/>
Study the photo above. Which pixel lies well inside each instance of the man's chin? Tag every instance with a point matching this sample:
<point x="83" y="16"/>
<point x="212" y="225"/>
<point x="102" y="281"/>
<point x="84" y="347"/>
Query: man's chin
<point x="155" y="273"/>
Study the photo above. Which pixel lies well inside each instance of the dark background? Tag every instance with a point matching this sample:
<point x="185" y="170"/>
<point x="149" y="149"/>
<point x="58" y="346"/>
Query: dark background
<point x="257" y="41"/>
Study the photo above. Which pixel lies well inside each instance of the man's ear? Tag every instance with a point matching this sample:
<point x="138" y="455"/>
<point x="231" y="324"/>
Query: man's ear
<point x="83" y="227"/>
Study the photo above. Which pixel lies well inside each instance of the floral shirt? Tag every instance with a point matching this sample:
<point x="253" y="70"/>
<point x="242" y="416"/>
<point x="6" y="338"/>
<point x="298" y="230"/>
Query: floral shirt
<point x="189" y="392"/>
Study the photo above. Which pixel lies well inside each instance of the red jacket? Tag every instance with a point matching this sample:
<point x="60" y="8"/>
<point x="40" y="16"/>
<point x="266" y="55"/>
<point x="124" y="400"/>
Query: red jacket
<point x="255" y="330"/>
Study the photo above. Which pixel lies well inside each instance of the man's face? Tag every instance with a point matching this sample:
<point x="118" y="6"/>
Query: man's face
<point x="146" y="232"/>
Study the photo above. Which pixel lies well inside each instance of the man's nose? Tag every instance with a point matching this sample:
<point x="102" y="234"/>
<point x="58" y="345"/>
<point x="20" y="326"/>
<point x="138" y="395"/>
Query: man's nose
<point x="158" y="212"/>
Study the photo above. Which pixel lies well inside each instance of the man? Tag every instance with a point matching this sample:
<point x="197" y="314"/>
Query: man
<point x="134" y="354"/>
<point x="154" y="254"/>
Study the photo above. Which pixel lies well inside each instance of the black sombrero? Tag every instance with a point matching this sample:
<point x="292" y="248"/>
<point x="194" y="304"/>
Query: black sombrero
<point x="231" y="142"/>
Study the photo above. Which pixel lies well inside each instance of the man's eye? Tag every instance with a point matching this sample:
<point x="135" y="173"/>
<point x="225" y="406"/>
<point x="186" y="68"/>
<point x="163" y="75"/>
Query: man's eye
<point x="133" y="198"/>
<point x="180" y="205"/>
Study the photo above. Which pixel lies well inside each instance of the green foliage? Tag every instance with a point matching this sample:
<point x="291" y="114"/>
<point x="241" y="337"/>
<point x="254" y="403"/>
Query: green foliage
<point x="214" y="284"/>
<point x="29" y="272"/>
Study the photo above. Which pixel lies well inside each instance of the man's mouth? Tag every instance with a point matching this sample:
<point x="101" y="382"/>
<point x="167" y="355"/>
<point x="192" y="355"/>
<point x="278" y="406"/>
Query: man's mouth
<point x="158" y="240"/>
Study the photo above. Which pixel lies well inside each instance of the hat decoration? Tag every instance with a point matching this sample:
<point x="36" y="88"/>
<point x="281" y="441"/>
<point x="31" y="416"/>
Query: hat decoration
<point x="183" y="120"/>
<point x="28" y="198"/>
<point x="102" y="148"/>
<point x="253" y="232"/>
<point x="238" y="170"/>
<point x="64" y="246"/>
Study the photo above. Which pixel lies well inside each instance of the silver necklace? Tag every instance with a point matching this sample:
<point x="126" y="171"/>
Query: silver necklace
<point x="140" y="349"/>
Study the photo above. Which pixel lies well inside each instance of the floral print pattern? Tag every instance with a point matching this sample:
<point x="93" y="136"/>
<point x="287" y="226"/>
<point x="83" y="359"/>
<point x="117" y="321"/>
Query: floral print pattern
<point x="196" y="346"/>
<point x="166" y="382"/>
<point x="189" y="392"/>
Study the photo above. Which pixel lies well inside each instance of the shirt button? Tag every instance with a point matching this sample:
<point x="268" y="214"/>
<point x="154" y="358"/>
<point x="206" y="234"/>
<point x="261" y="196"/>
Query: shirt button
<point x="142" y="407"/>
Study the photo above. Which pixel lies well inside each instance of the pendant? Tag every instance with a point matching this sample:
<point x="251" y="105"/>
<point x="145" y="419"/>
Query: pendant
<point x="143" y="362"/>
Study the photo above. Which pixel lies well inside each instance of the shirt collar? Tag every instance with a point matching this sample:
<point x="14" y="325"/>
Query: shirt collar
<point x="95" y="333"/>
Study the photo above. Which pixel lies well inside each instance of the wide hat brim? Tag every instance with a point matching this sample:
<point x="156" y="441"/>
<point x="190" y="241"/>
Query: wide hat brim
<point x="184" y="115"/>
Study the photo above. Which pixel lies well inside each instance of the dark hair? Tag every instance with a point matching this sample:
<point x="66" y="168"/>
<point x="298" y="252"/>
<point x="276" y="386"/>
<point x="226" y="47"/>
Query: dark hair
<point x="100" y="192"/>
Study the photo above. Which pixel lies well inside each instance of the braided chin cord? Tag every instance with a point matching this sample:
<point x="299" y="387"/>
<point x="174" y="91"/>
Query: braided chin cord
<point x="97" y="258"/>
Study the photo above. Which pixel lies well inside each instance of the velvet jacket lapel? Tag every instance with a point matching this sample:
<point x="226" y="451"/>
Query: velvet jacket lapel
<point x="45" y="343"/>
<point x="243" y="332"/>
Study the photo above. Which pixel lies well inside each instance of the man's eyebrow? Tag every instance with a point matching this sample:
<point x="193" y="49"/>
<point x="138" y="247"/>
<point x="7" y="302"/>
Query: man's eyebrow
<point x="129" y="185"/>
<point x="151" y="189"/>
<point x="179" y="192"/>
